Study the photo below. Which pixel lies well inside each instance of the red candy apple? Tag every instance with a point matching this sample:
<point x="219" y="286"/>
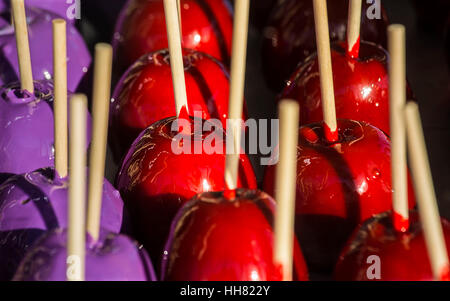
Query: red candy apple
<point x="361" y="86"/>
<point x="141" y="29"/>
<point x="218" y="237"/>
<point x="402" y="256"/>
<point x="145" y="94"/>
<point x="158" y="177"/>
<point x="260" y="11"/>
<point x="289" y="37"/>
<point x="339" y="185"/>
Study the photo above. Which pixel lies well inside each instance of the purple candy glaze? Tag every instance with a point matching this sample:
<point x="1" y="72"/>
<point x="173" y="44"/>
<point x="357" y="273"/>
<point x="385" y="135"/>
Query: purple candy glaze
<point x="41" y="48"/>
<point x="113" y="257"/>
<point x="34" y="203"/>
<point x="59" y="7"/>
<point x="26" y="128"/>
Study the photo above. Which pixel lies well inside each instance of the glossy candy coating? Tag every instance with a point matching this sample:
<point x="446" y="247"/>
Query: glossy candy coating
<point x="402" y="256"/>
<point x="34" y="203"/>
<point x="155" y="182"/>
<point x="144" y="95"/>
<point x="361" y="86"/>
<point x="141" y="29"/>
<point x="289" y="37"/>
<point x="338" y="187"/>
<point x="27" y="128"/>
<point x="214" y="238"/>
<point x="41" y="48"/>
<point x="114" y="257"/>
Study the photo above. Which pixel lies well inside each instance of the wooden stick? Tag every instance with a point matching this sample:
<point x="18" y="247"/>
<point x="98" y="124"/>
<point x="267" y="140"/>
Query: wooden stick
<point x="23" y="47"/>
<point x="179" y="18"/>
<point x="426" y="196"/>
<point x="325" y="69"/>
<point x="397" y="101"/>
<point x="100" y="108"/>
<point x="285" y="183"/>
<point x="354" y="27"/>
<point x="176" y="55"/>
<point x="60" y="104"/>
<point x="237" y="84"/>
<point x="77" y="189"/>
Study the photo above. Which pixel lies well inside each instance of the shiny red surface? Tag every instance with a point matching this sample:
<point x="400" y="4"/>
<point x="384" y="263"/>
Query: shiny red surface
<point x="155" y="182"/>
<point x="289" y="36"/>
<point x="145" y="95"/>
<point x="217" y="239"/>
<point x="432" y="14"/>
<point x="403" y="256"/>
<point x="361" y="87"/>
<point x="338" y="186"/>
<point x="206" y="27"/>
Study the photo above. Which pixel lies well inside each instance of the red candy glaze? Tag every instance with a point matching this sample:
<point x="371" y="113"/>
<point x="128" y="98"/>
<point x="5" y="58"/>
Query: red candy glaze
<point x="145" y="94"/>
<point x="339" y="185"/>
<point x="403" y="255"/>
<point x="289" y="37"/>
<point x="361" y="87"/>
<point x="353" y="52"/>
<point x="217" y="239"/>
<point x="155" y="182"/>
<point x="206" y="27"/>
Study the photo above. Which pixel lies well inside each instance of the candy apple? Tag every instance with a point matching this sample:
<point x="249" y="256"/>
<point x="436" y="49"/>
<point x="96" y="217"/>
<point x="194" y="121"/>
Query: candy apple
<point x="361" y="86"/>
<point x="289" y="37"/>
<point x="145" y="94"/>
<point x="159" y="175"/>
<point x="113" y="257"/>
<point x="141" y="29"/>
<point x="40" y="36"/>
<point x="34" y="203"/>
<point x="339" y="185"/>
<point x="26" y="123"/>
<point x="400" y="256"/>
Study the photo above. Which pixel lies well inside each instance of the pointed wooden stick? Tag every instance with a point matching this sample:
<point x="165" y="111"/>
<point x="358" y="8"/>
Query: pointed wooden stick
<point x="325" y="69"/>
<point x="285" y="183"/>
<point x="426" y="196"/>
<point x="354" y="27"/>
<point x="397" y="101"/>
<point x="100" y="108"/>
<point x="77" y="189"/>
<point x="176" y="55"/>
<point x="60" y="104"/>
<point x="237" y="84"/>
<point x="23" y="47"/>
